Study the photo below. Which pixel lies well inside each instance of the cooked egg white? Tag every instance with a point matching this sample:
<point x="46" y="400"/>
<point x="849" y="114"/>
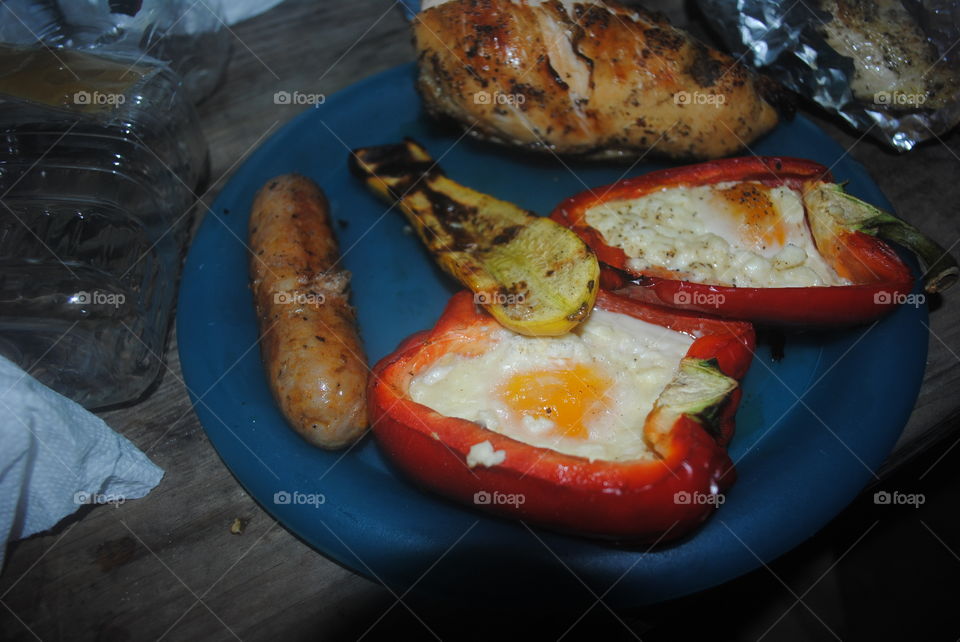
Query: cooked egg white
<point x="483" y="454"/>
<point x="586" y="393"/>
<point x="735" y="234"/>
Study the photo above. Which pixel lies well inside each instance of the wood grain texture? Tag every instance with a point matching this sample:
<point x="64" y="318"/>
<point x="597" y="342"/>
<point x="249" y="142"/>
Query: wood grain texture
<point x="136" y="572"/>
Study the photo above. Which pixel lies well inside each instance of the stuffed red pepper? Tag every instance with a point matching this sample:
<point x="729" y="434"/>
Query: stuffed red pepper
<point x="764" y="239"/>
<point x="615" y="430"/>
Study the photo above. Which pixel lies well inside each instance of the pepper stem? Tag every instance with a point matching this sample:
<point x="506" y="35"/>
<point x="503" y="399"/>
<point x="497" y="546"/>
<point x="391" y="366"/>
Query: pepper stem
<point x="940" y="267"/>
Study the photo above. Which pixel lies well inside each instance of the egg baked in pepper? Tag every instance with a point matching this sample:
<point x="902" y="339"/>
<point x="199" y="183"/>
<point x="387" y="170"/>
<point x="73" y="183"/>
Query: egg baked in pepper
<point x="603" y="431"/>
<point x="766" y="239"/>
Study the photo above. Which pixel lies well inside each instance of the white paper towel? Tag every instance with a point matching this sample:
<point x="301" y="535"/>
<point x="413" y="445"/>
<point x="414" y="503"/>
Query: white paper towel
<point x="57" y="456"/>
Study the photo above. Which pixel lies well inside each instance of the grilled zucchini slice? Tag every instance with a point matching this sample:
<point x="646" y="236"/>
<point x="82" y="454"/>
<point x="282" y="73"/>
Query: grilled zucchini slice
<point x="533" y="275"/>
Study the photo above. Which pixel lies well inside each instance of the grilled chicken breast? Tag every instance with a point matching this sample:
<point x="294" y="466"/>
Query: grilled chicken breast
<point x="586" y="78"/>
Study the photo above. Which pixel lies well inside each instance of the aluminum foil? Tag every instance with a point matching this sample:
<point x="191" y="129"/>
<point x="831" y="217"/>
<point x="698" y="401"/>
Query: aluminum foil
<point x="888" y="67"/>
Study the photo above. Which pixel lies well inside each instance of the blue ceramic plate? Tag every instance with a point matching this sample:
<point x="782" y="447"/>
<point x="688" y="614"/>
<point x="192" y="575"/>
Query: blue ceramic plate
<point x="810" y="431"/>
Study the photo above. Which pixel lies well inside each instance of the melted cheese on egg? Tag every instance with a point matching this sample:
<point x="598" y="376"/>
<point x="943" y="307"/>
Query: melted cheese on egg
<point x="586" y="393"/>
<point x="741" y="234"/>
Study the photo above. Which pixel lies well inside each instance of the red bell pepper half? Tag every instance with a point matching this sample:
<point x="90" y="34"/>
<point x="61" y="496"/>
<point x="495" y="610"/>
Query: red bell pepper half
<point x="643" y="500"/>
<point x="845" y="230"/>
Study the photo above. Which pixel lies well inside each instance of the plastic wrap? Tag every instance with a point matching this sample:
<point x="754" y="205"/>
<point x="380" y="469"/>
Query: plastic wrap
<point x="888" y="67"/>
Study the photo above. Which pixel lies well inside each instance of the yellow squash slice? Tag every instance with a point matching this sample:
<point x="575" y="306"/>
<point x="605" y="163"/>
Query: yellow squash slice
<point x="533" y="275"/>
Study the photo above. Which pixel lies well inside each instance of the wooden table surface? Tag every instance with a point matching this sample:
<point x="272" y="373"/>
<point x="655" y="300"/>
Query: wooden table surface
<point x="168" y="565"/>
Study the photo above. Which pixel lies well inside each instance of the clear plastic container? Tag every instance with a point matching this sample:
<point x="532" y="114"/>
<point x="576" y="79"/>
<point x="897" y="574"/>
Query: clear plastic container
<point x="99" y="160"/>
<point x="190" y="36"/>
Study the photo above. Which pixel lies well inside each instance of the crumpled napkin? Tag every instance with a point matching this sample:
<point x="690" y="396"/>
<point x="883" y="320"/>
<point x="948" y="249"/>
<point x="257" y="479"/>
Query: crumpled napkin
<point x="57" y="456"/>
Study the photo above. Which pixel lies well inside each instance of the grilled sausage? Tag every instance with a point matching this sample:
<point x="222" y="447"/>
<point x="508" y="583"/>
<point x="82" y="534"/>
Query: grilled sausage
<point x="309" y="343"/>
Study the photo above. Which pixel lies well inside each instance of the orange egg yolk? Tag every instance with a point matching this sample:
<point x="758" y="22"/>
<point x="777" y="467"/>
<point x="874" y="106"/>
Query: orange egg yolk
<point x="759" y="221"/>
<point x="568" y="397"/>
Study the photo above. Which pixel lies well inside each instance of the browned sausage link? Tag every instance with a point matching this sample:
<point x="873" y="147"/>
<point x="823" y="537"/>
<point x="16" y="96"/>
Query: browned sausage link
<point x="309" y="342"/>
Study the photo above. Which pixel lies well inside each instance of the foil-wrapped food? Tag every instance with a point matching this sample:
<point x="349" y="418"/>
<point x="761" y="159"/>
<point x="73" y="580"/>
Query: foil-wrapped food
<point x="888" y="67"/>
